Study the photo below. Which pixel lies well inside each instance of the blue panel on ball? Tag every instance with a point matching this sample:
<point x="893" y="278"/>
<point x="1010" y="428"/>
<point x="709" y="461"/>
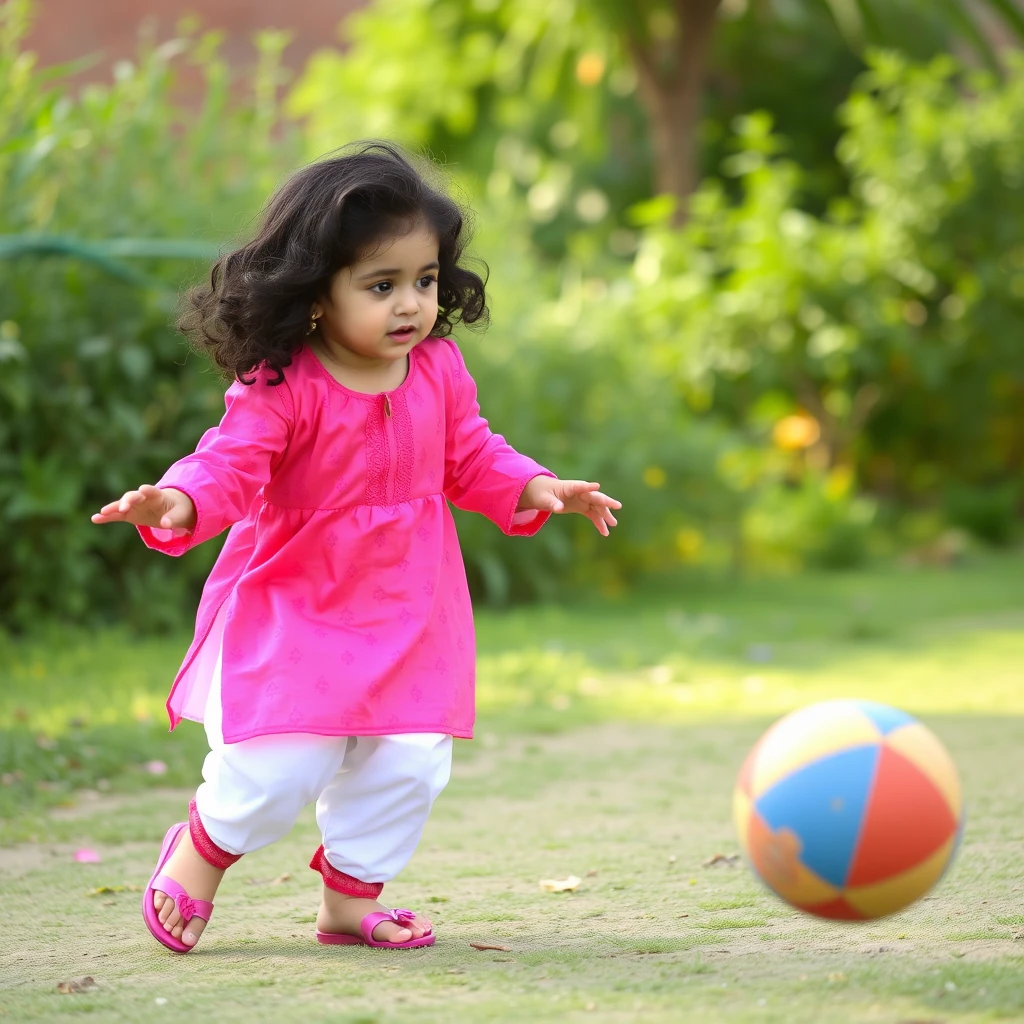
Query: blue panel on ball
<point x="823" y="804"/>
<point x="884" y="717"/>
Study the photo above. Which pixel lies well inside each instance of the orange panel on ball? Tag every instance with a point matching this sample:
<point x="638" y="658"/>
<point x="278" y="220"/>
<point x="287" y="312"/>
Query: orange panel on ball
<point x="776" y="858"/>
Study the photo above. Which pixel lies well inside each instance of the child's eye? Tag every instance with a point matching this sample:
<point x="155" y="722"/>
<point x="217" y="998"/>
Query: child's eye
<point x="426" y="282"/>
<point x="386" y="285"/>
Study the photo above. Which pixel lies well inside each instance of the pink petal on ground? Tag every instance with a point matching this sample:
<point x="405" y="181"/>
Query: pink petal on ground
<point x="156" y="767"/>
<point x="86" y="856"/>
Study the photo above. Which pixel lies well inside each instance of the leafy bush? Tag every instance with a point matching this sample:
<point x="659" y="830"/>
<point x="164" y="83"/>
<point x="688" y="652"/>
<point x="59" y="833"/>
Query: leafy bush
<point x="890" y="324"/>
<point x="96" y="392"/>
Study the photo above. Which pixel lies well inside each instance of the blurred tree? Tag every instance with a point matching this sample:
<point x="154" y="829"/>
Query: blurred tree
<point x="669" y="43"/>
<point x="511" y="66"/>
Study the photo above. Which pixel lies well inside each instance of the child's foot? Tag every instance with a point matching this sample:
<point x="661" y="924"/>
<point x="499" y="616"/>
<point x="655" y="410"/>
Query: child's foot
<point x="341" y="915"/>
<point x="198" y="878"/>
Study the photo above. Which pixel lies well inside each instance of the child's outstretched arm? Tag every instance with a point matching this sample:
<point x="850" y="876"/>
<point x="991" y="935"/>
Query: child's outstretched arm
<point x="545" y="494"/>
<point x="214" y="487"/>
<point x="485" y="474"/>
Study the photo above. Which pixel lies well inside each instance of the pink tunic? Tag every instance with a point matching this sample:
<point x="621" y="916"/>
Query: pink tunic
<point x="340" y="599"/>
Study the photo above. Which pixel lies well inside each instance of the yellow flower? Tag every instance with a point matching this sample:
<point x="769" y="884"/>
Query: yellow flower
<point x="654" y="477"/>
<point x="590" y="68"/>
<point x="689" y="544"/>
<point x="794" y="432"/>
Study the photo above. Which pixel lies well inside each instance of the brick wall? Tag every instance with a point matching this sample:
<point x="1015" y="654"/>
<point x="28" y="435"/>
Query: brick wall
<point x="67" y="29"/>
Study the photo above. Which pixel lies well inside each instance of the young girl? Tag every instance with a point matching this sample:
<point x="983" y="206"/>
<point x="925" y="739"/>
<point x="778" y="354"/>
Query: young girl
<point x="333" y="658"/>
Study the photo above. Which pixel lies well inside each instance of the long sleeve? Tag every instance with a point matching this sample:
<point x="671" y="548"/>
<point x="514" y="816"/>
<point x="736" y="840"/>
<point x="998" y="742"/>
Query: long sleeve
<point x="230" y="465"/>
<point x="483" y="473"/>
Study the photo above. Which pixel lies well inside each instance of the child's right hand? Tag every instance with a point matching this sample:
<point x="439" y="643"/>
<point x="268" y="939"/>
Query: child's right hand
<point x="163" y="508"/>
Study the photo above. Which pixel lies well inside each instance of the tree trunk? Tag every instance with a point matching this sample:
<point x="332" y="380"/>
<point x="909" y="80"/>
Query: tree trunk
<point x="671" y="77"/>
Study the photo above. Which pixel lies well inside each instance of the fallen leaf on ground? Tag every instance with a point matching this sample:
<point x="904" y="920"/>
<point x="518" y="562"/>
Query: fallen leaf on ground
<point x="486" y="945"/>
<point x="286" y="877"/>
<point x="66" y="988"/>
<point x="86" y="856"/>
<point x="570" y="884"/>
<point x="729" y="860"/>
<point x="102" y="890"/>
<point x="592" y="873"/>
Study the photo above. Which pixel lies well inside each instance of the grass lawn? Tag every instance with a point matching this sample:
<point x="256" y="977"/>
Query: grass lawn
<point x="610" y="735"/>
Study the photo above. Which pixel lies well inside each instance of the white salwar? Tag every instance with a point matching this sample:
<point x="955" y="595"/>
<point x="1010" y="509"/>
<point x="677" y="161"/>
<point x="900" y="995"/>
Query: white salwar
<point x="373" y="793"/>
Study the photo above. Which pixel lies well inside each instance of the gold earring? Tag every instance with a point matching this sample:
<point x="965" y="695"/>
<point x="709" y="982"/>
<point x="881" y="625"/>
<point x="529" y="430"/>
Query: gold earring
<point x="312" y="323"/>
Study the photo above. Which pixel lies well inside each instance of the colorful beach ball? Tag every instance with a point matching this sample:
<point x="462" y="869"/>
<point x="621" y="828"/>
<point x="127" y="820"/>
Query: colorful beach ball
<point x="849" y="810"/>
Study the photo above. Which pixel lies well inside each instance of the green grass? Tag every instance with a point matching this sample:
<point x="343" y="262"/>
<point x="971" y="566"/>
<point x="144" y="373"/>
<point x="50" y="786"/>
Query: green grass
<point x="609" y="739"/>
<point x="86" y="711"/>
<point x="649" y="935"/>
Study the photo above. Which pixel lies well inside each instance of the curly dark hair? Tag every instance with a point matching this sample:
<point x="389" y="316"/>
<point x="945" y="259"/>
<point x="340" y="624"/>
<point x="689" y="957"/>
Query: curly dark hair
<point x="254" y="312"/>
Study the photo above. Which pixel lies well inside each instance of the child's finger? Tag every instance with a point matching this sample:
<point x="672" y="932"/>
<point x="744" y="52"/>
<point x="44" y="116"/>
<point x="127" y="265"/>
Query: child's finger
<point x="603" y="499"/>
<point x="575" y="488"/>
<point x="130" y="500"/>
<point x="111" y="507"/>
<point x="599" y="523"/>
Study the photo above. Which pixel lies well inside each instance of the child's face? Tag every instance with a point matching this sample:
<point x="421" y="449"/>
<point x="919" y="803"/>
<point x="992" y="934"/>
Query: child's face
<point x="380" y="308"/>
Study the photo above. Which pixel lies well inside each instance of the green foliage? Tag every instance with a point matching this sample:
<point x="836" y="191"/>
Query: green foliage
<point x="891" y="320"/>
<point x="531" y="99"/>
<point x="95" y="392"/>
<point x="540" y="98"/>
<point x="665" y="363"/>
<point x="98" y="397"/>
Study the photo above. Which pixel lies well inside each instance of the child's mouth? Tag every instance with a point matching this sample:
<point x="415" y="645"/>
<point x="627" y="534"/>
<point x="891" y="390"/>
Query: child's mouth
<point x="403" y="333"/>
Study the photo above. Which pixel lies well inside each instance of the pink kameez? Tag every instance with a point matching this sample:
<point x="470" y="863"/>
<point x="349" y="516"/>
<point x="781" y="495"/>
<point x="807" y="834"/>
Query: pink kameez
<point x="340" y="599"/>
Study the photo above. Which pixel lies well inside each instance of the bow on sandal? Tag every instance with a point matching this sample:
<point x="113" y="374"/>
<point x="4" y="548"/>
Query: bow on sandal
<point x="366" y="926"/>
<point x="187" y="907"/>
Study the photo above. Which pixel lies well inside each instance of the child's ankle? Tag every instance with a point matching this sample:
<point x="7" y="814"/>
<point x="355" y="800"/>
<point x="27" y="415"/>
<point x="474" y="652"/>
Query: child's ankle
<point x="204" y="845"/>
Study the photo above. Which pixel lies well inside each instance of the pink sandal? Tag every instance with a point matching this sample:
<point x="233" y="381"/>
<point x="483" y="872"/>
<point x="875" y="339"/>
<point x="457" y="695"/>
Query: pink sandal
<point x="187" y="907"/>
<point x="366" y="926"/>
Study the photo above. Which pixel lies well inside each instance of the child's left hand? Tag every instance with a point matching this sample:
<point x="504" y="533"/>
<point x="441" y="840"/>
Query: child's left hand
<point x="546" y="494"/>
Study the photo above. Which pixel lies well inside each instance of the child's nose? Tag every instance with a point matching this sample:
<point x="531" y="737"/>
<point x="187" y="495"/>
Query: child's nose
<point x="406" y="300"/>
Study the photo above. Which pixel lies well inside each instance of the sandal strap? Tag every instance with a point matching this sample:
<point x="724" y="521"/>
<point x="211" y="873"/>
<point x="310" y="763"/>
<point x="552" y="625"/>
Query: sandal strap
<point x="401" y="917"/>
<point x="187" y="907"/>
